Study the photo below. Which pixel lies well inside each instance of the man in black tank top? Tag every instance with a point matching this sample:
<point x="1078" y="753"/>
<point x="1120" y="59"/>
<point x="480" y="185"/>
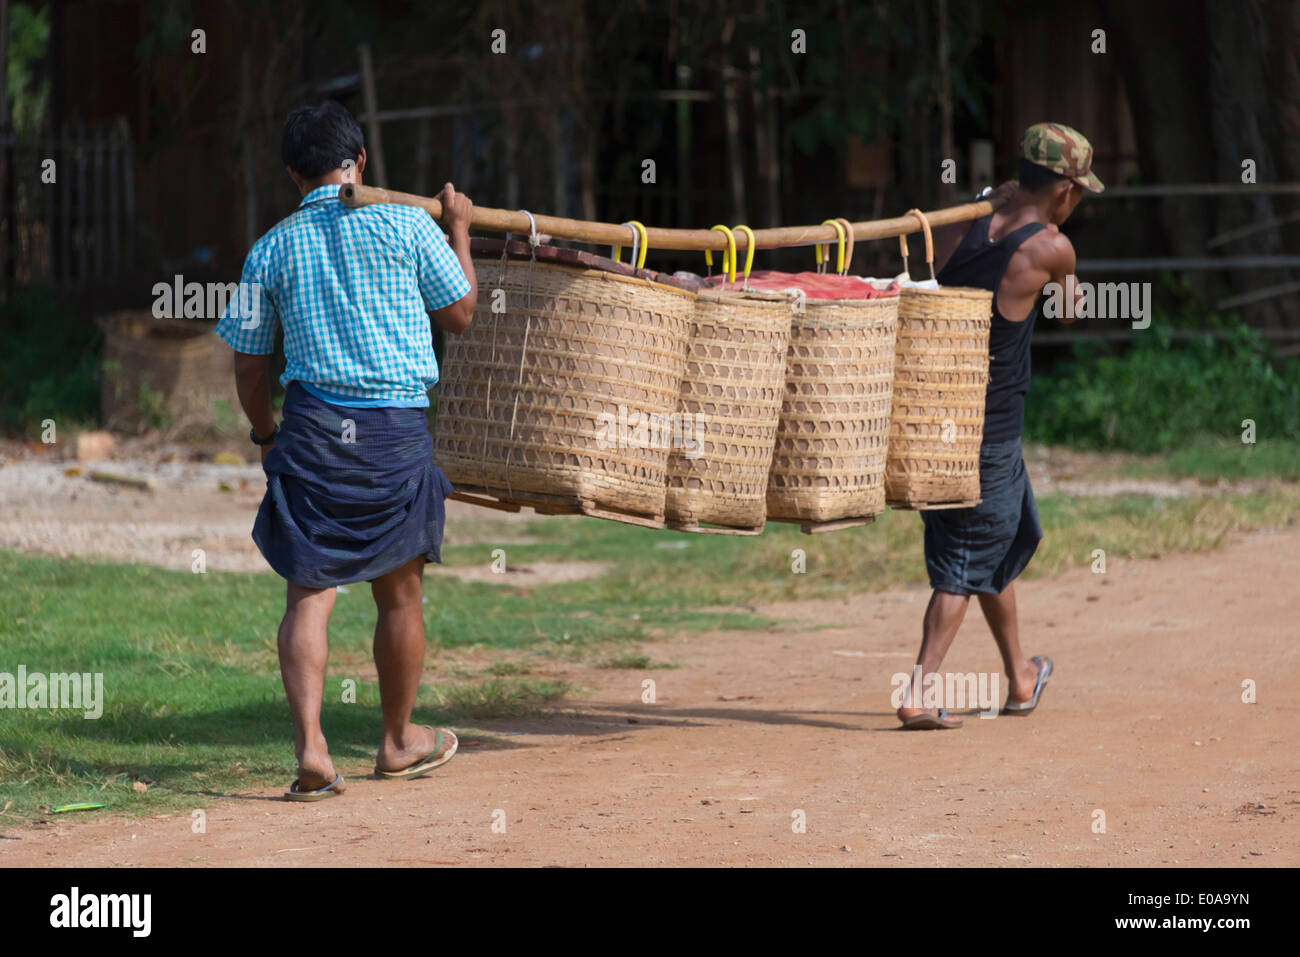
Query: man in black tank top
<point x="1014" y="252"/>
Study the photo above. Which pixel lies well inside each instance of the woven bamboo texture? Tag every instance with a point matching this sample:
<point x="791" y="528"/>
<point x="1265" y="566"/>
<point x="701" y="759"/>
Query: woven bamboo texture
<point x="732" y="391"/>
<point x="559" y="401"/>
<point x="940" y="376"/>
<point x="829" y="459"/>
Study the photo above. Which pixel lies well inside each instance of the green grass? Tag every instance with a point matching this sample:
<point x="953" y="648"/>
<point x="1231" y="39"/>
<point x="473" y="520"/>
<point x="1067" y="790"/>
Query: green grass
<point x="506" y="668"/>
<point x="193" y="701"/>
<point x="1212" y="459"/>
<point x="500" y="698"/>
<point x="632" y="662"/>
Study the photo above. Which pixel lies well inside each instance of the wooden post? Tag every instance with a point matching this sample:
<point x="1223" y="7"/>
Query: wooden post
<point x="128" y="198"/>
<point x="764" y="150"/>
<point x="684" y="108"/>
<point x="735" y="155"/>
<point x="587" y="169"/>
<point x="244" y="124"/>
<point x="946" y="145"/>
<point x="510" y="128"/>
<point x="66" y="174"/>
<point x="114" y="199"/>
<point x="83" y="206"/>
<point x="462" y="159"/>
<point x="423" y="144"/>
<point x="49" y="190"/>
<point x="99" y="200"/>
<point x="375" y="150"/>
<point x="559" y="193"/>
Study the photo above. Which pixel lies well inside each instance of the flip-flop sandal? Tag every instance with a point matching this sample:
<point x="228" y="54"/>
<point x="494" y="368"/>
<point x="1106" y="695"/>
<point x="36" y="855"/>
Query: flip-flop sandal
<point x="1044" y="675"/>
<point x="929" y="722"/>
<point x="331" y="790"/>
<point x="444" y="747"/>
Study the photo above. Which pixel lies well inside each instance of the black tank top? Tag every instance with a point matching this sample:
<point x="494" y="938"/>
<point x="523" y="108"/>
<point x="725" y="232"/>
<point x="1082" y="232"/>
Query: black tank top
<point x="980" y="264"/>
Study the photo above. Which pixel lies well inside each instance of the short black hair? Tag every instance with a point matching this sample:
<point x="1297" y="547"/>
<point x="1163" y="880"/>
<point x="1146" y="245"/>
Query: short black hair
<point x="318" y="139"/>
<point x="1034" y="177"/>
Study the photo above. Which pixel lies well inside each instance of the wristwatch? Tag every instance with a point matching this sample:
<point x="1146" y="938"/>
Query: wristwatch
<point x="252" y="434"/>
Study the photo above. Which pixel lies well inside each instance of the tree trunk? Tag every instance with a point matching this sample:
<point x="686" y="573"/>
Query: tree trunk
<point x="559" y="165"/>
<point x="947" y="149"/>
<point x="510" y="127"/>
<point x="735" y="155"/>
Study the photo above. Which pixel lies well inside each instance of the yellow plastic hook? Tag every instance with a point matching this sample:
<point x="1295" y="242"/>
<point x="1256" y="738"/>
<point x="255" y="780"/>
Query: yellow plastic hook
<point x="839" y="262"/>
<point x="728" y="257"/>
<point x="749" y="253"/>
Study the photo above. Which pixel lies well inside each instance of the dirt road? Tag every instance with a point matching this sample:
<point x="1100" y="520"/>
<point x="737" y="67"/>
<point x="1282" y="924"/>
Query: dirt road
<point x="1144" y="721"/>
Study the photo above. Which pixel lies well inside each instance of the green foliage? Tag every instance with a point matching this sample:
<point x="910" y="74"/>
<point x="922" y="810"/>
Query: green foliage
<point x="29" y="34"/>
<point x="153" y="405"/>
<point x="888" y="107"/>
<point x="1161" y="394"/>
<point x="170" y="24"/>
<point x="48" y="364"/>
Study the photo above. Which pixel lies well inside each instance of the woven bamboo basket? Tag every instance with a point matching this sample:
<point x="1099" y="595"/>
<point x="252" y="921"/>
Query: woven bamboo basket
<point x="168" y="373"/>
<point x="940" y="377"/>
<point x="829" y="461"/>
<point x="560" y="402"/>
<point x="729" y="407"/>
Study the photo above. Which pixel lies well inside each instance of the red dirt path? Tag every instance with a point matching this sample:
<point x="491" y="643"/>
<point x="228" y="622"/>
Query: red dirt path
<point x="1143" y="720"/>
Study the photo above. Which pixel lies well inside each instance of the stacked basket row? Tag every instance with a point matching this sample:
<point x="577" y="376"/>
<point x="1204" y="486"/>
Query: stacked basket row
<point x="585" y="385"/>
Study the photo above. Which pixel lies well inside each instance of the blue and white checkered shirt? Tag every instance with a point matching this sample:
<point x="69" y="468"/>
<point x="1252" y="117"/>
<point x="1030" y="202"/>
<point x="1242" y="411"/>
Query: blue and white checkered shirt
<point x="350" y="287"/>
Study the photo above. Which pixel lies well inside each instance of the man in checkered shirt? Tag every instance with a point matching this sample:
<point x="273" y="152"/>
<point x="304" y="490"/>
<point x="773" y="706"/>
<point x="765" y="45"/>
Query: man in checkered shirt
<point x="352" y="491"/>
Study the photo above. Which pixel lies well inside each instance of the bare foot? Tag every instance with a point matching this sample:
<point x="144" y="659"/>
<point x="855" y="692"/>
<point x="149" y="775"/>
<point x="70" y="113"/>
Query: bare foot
<point x="937" y="719"/>
<point x="905" y="713"/>
<point x="416" y="743"/>
<point x="1021" y="684"/>
<point x="315" y="769"/>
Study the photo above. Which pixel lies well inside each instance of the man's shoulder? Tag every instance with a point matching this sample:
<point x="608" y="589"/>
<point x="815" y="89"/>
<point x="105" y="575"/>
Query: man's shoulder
<point x="395" y="215"/>
<point x="266" y="244"/>
<point x="1047" y="247"/>
<point x="404" y="228"/>
<point x="392" y="217"/>
<point x="285" y="227"/>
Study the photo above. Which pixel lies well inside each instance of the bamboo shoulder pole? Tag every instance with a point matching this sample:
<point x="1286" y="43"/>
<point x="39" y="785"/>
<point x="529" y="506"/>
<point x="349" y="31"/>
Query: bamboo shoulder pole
<point x="611" y="234"/>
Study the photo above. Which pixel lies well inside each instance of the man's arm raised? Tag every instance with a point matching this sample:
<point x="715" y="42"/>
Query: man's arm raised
<point x="457" y="210"/>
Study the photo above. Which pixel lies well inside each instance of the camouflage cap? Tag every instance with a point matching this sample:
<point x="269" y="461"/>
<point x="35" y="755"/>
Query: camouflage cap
<point x="1063" y="150"/>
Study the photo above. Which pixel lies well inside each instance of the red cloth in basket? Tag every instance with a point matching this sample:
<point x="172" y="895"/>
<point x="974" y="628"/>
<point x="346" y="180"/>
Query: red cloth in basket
<point x="815" y="285"/>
